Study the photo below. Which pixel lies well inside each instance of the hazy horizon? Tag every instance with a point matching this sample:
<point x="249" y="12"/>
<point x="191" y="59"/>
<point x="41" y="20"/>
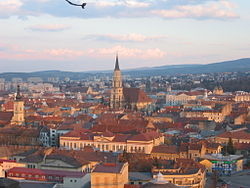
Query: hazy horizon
<point x="111" y="69"/>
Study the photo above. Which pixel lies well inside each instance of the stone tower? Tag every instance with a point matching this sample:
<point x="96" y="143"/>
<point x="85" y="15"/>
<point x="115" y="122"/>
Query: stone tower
<point x="18" y="117"/>
<point x="116" y="98"/>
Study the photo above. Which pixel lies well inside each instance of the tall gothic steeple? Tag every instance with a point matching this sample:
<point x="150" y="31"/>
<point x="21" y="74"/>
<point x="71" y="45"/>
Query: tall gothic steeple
<point x="116" y="98"/>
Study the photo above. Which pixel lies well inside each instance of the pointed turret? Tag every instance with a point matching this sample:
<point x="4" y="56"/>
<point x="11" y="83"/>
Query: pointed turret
<point x="117" y="63"/>
<point x="18" y="118"/>
<point x="18" y="94"/>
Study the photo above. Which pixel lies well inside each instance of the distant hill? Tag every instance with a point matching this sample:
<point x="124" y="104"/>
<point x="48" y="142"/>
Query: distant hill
<point x="46" y="74"/>
<point x="240" y="65"/>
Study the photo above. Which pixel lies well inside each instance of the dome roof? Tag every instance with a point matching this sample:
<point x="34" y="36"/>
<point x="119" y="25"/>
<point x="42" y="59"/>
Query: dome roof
<point x="159" y="182"/>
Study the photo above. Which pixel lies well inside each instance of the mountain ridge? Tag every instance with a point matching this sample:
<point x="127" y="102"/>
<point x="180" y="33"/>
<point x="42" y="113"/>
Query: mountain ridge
<point x="239" y="65"/>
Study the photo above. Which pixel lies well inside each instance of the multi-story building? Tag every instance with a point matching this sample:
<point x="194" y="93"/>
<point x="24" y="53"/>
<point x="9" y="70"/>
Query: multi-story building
<point x="217" y="114"/>
<point x="237" y="136"/>
<point x="65" y="178"/>
<point x="107" y="141"/>
<point x="112" y="175"/>
<point x="224" y="165"/>
<point x="185" y="150"/>
<point x="5" y="165"/>
<point x="183" y="173"/>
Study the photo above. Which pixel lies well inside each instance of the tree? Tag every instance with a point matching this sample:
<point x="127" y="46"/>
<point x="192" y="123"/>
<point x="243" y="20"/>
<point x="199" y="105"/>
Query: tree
<point x="230" y="147"/>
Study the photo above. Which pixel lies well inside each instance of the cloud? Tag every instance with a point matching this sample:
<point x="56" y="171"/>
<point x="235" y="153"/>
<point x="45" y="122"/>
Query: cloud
<point x="154" y="53"/>
<point x="171" y="9"/>
<point x="9" y="7"/>
<point x="16" y="53"/>
<point x="219" y="10"/>
<point x="125" y="3"/>
<point x="49" y="27"/>
<point x="64" y="53"/>
<point x="132" y="37"/>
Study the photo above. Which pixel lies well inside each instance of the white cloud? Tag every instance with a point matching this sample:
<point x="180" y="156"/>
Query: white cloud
<point x="193" y="9"/>
<point x="16" y="53"/>
<point x="126" y="3"/>
<point x="218" y="10"/>
<point x="132" y="37"/>
<point x="8" y="7"/>
<point x="49" y="27"/>
<point x="64" y="53"/>
<point x="154" y="53"/>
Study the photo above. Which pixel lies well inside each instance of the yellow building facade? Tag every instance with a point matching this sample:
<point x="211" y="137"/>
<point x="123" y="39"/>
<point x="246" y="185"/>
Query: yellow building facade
<point x="110" y="175"/>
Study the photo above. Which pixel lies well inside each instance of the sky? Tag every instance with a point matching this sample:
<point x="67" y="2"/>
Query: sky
<point x="40" y="35"/>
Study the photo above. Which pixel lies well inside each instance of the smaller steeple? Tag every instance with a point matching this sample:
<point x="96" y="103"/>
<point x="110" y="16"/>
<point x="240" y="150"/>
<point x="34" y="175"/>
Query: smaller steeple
<point x="117" y="63"/>
<point x="18" y="94"/>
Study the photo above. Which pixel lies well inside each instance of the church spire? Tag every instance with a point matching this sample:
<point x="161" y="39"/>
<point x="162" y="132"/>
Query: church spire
<point x="18" y="94"/>
<point x="117" y="63"/>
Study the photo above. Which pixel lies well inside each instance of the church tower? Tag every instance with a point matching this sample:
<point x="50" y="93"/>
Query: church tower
<point x="18" y="118"/>
<point x="116" y="98"/>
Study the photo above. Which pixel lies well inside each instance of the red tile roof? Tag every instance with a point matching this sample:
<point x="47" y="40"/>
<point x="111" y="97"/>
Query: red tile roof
<point x="34" y="171"/>
<point x="241" y="134"/>
<point x="135" y="95"/>
<point x="109" y="168"/>
<point x="242" y="146"/>
<point x="165" y="149"/>
<point x="6" y="116"/>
